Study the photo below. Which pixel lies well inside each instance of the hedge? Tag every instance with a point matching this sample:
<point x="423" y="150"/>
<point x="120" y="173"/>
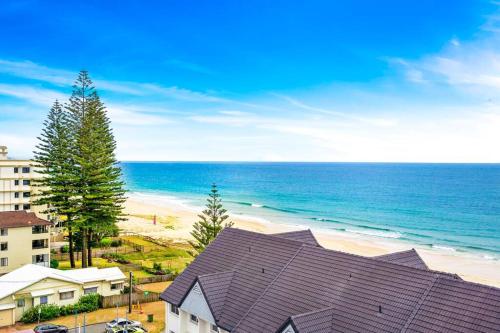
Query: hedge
<point x="86" y="303"/>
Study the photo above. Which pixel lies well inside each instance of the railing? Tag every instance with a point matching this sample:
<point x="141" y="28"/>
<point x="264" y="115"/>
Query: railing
<point x="43" y="263"/>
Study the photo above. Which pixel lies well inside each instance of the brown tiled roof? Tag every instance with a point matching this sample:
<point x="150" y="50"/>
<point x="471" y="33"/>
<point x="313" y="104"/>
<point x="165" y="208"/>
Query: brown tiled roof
<point x="324" y="291"/>
<point x="215" y="288"/>
<point x="304" y="236"/>
<point x="19" y="219"/>
<point x="255" y="260"/>
<point x="407" y="258"/>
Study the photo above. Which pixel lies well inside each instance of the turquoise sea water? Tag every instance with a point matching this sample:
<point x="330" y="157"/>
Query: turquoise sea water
<point x="451" y="207"/>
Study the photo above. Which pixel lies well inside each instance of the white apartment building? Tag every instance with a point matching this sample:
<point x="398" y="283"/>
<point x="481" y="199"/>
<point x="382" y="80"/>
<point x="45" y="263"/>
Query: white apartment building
<point x="16" y="188"/>
<point x="24" y="239"/>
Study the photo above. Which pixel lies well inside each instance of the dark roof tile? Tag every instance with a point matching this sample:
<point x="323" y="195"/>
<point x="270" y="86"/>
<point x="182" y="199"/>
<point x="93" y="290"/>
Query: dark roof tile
<point x="407" y="258"/>
<point x="304" y="236"/>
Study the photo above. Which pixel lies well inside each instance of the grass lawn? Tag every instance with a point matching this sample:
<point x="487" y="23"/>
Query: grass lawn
<point x="174" y="257"/>
<point x="97" y="262"/>
<point x="105" y="315"/>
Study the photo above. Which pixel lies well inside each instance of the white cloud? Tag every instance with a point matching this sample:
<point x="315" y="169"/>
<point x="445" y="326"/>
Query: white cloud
<point x="31" y="94"/>
<point x="30" y="70"/>
<point x="352" y="117"/>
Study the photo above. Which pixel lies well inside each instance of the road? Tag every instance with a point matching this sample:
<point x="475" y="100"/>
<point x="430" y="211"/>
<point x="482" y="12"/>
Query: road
<point x="95" y="328"/>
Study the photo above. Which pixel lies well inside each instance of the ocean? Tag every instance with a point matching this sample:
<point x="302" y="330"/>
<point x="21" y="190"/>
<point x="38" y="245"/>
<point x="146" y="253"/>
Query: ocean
<point x="448" y="207"/>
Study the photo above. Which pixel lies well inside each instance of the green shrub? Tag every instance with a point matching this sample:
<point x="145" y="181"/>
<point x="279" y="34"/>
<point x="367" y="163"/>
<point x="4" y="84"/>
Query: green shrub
<point x="119" y="258"/>
<point x="65" y="249"/>
<point x="106" y="242"/>
<point x="86" y="303"/>
<point x="54" y="263"/>
<point x="116" y="243"/>
<point x="47" y="312"/>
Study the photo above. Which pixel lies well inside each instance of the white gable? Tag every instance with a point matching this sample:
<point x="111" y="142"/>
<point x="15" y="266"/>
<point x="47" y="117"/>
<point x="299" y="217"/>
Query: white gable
<point x="288" y="329"/>
<point x="195" y="303"/>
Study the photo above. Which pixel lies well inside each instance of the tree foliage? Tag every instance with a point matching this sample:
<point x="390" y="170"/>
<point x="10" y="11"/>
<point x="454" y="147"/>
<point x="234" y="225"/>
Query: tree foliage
<point x="212" y="221"/>
<point x="94" y="189"/>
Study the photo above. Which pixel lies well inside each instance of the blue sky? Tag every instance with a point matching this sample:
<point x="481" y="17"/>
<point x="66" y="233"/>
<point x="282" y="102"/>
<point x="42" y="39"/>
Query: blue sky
<point x="263" y="81"/>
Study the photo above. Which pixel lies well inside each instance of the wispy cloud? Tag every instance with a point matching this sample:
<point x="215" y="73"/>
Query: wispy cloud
<point x="30" y="70"/>
<point x="373" y="121"/>
<point x="189" y="66"/>
<point x="31" y="94"/>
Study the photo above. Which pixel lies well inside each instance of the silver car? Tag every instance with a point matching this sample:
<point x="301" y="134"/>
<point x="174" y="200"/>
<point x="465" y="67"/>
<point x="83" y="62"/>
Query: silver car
<point x="121" y="322"/>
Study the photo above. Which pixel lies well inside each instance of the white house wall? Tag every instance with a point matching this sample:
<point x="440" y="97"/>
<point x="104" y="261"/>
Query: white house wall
<point x="195" y="303"/>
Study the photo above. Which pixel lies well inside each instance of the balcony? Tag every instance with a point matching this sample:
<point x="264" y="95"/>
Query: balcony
<point x="40" y="244"/>
<point x="43" y="263"/>
<point x="39" y="229"/>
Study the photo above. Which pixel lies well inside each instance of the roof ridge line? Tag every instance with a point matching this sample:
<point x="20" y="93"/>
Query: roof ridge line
<point x="420" y="302"/>
<point x="268" y="286"/>
<point x="313" y="311"/>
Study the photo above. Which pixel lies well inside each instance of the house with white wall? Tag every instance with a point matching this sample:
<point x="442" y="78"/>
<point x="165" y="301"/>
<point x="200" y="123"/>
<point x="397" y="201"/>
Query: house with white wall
<point x="32" y="285"/>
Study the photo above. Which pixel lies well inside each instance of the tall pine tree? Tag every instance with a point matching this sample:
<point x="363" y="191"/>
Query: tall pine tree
<point x="212" y="221"/>
<point x="99" y="190"/>
<point x="53" y="157"/>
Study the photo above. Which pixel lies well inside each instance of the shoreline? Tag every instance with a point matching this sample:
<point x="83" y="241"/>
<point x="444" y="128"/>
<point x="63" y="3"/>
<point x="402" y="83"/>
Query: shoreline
<point x="175" y="220"/>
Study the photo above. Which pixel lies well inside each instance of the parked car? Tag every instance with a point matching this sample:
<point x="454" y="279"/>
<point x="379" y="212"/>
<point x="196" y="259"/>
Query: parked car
<point x="121" y="322"/>
<point x="50" y="328"/>
<point x="121" y="329"/>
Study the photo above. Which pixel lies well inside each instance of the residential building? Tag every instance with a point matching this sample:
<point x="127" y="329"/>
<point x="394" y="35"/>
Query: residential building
<point x="32" y="285"/>
<point x="16" y="188"/>
<point x="287" y="283"/>
<point x="24" y="239"/>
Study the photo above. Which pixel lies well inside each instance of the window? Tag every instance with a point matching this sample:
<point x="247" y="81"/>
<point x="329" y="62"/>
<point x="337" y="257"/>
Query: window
<point x="26" y="170"/>
<point x="92" y="290"/>
<point x="44" y="299"/>
<point x="214" y="328"/>
<point x="66" y="295"/>
<point x="20" y="303"/>
<point x="194" y="319"/>
<point x="116" y="286"/>
<point x="4" y="232"/>
<point x="174" y="309"/>
<point x="3" y="246"/>
<point x="16" y="207"/>
<point x="39" y="243"/>
<point x="4" y="262"/>
<point x="16" y="182"/>
<point x="39" y="258"/>
<point x="26" y="194"/>
<point x="26" y="206"/>
<point x="16" y="194"/>
<point x="16" y="170"/>
<point x="26" y="182"/>
<point x="39" y="229"/>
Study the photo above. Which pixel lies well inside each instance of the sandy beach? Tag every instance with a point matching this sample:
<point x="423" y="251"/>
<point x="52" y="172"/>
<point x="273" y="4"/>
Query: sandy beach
<point x="175" y="220"/>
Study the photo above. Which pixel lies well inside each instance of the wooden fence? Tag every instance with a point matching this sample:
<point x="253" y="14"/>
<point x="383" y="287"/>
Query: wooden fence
<point x="95" y="253"/>
<point x="121" y="300"/>
<point x="155" y="278"/>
